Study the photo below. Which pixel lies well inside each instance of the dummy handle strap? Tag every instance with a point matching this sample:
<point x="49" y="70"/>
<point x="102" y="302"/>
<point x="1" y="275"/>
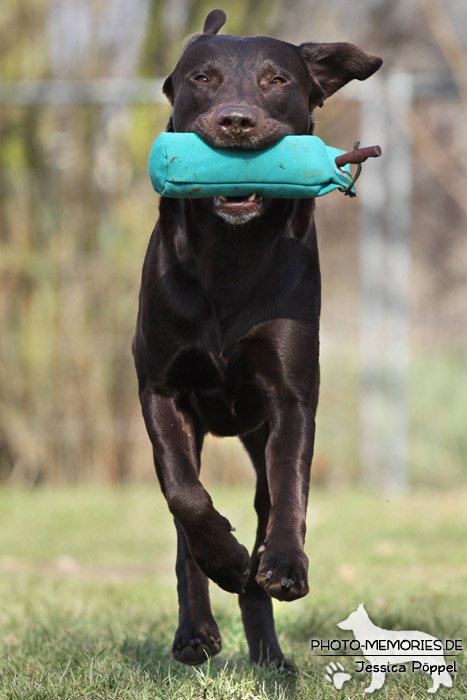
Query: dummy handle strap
<point x="357" y="156"/>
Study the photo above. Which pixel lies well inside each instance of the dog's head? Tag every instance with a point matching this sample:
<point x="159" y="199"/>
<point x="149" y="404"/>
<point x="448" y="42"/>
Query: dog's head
<point x="356" y="619"/>
<point x="249" y="92"/>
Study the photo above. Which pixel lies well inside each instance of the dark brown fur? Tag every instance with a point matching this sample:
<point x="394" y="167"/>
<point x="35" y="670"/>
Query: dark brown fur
<point x="227" y="332"/>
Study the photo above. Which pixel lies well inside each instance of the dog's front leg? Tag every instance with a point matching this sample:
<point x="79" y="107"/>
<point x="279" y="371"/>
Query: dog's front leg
<point x="283" y="569"/>
<point x="377" y="681"/>
<point x="216" y="551"/>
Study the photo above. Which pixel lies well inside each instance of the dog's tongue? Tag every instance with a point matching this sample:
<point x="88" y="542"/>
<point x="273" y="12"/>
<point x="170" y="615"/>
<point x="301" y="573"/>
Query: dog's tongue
<point x="236" y="204"/>
<point x="246" y="198"/>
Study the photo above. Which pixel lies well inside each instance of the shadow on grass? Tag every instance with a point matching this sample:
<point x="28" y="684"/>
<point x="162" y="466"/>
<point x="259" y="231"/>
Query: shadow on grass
<point x="150" y="654"/>
<point x="153" y="656"/>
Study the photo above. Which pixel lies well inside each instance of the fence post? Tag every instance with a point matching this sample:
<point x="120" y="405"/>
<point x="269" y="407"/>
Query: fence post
<point x="385" y="194"/>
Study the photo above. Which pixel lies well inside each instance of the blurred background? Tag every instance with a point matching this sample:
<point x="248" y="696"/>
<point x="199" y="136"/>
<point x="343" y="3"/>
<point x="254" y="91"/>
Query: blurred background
<point x="80" y="104"/>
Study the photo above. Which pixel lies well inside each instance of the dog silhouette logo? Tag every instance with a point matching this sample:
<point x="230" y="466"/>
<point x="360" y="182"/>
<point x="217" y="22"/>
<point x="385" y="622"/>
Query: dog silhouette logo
<point x="391" y="650"/>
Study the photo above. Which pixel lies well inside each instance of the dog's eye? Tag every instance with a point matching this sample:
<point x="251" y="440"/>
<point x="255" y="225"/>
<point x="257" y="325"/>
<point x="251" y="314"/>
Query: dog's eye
<point x="201" y="78"/>
<point x="278" y="80"/>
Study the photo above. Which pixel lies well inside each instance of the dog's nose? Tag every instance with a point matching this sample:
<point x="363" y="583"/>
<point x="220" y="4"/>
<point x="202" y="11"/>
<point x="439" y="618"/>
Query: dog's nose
<point x="236" y="120"/>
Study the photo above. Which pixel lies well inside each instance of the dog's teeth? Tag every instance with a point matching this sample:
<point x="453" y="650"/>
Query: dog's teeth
<point x="252" y="197"/>
<point x="222" y="199"/>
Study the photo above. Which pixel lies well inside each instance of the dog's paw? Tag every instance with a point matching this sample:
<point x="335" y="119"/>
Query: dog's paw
<point x="221" y="557"/>
<point x="280" y="664"/>
<point x="230" y="569"/>
<point x="196" y="644"/>
<point x="336" y="674"/>
<point x="282" y="574"/>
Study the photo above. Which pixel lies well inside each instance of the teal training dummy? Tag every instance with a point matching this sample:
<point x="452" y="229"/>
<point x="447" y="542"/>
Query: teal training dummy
<point x="183" y="165"/>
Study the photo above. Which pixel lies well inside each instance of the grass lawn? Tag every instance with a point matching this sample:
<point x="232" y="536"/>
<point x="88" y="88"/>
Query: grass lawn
<point x="88" y="601"/>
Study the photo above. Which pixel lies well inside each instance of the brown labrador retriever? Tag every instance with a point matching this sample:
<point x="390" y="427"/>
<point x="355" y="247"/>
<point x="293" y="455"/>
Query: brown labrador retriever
<point x="227" y="331"/>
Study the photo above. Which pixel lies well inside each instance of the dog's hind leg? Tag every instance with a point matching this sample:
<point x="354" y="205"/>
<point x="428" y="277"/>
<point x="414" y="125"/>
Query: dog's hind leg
<point x="172" y="429"/>
<point x="440" y="678"/>
<point x="255" y="602"/>
<point x="197" y="637"/>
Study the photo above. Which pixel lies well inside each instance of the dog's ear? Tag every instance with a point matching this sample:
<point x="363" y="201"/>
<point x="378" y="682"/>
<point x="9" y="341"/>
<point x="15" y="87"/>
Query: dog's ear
<point x="214" y="21"/>
<point x="333" y="65"/>
<point x="168" y="88"/>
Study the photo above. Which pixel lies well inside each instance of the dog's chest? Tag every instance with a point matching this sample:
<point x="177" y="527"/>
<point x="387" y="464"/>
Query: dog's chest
<point x="220" y="388"/>
<point x="229" y="401"/>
